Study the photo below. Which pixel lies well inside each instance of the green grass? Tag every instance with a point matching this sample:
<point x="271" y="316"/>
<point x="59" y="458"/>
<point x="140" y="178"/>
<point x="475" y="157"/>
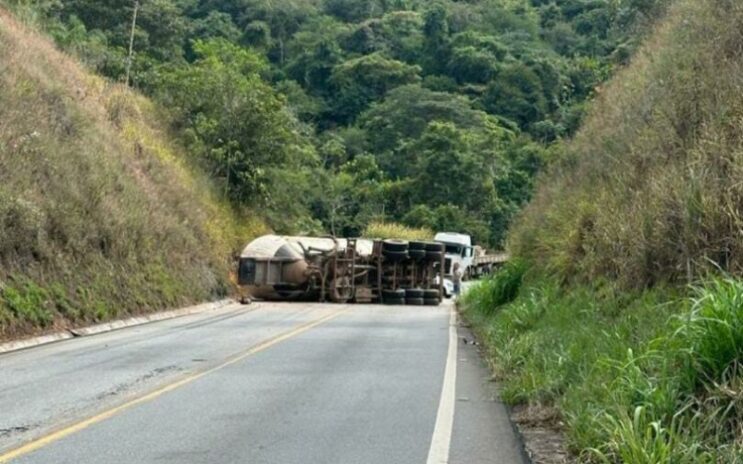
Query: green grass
<point x="649" y="376"/>
<point x="501" y="288"/>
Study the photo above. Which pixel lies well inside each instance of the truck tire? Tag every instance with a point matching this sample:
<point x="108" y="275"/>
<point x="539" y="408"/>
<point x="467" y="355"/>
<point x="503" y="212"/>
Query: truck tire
<point x="417" y="246"/>
<point x="395" y="245"/>
<point x="431" y="294"/>
<point x="432" y="302"/>
<point x="414" y="293"/>
<point x="393" y="294"/>
<point x="394" y="301"/>
<point x="434" y="246"/>
<point x="417" y="255"/>
<point x="434" y="256"/>
<point x="414" y="301"/>
<point x="395" y="256"/>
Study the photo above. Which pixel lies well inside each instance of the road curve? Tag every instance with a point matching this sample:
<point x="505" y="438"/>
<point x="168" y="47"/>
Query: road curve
<point x="268" y="383"/>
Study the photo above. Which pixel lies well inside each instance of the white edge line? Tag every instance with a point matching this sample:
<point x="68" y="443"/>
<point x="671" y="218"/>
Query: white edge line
<point x="441" y="441"/>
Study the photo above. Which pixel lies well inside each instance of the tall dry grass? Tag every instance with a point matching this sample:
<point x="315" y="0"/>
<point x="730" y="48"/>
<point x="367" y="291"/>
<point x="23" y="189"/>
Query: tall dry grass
<point x="100" y="215"/>
<point x="385" y="230"/>
<point x="651" y="189"/>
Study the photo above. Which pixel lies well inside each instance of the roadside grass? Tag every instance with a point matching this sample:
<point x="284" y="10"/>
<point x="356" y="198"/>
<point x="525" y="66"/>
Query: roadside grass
<point x="652" y="376"/>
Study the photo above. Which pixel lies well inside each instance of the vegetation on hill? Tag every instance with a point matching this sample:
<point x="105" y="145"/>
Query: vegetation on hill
<point x="333" y="114"/>
<point x="100" y="216"/>
<point x="628" y="319"/>
<point x="649" y="191"/>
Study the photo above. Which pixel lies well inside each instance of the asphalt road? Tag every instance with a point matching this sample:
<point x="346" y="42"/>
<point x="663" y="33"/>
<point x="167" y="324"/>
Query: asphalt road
<point x="267" y="383"/>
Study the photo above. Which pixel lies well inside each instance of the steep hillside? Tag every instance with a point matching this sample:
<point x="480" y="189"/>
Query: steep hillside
<point x="650" y="189"/>
<point x="99" y="217"/>
<point x="620" y="323"/>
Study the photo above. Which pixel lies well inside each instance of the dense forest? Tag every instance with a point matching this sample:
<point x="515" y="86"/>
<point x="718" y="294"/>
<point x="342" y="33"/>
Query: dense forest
<point x="329" y="114"/>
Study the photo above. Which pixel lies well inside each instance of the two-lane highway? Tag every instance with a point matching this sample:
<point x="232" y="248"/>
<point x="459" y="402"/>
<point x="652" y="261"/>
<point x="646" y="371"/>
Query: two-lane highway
<point x="269" y="383"/>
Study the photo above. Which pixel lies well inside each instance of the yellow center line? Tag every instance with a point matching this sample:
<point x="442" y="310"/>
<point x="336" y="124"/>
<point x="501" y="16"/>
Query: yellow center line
<point x="77" y="427"/>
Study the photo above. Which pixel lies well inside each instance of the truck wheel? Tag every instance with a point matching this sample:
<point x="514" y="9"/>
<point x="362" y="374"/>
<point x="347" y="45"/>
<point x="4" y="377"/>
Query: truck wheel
<point x="434" y="256"/>
<point x="393" y="294"/>
<point x="394" y="301"/>
<point x="418" y="255"/>
<point x="414" y="301"/>
<point x="431" y="301"/>
<point x="435" y="246"/>
<point x="417" y="246"/>
<point x="395" y="245"/>
<point x="395" y="256"/>
<point x="431" y="294"/>
<point x="414" y="293"/>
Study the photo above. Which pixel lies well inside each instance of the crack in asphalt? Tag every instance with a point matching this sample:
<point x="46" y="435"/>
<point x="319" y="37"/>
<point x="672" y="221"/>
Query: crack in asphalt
<point x="123" y="387"/>
<point x="10" y="431"/>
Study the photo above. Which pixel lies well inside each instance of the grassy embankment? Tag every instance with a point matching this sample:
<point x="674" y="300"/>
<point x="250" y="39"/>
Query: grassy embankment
<point x="628" y="317"/>
<point x="100" y="216"/>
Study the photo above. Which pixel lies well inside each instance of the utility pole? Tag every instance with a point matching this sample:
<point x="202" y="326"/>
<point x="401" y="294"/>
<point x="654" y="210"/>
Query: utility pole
<point x="131" y="43"/>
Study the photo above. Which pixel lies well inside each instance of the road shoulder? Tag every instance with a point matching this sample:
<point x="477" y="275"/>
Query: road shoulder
<point x="483" y="431"/>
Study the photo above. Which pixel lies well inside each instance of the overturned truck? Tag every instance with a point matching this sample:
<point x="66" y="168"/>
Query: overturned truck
<point x="342" y="270"/>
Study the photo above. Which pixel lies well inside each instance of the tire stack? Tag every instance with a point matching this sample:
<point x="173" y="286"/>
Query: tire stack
<point x="400" y="252"/>
<point x="431" y="297"/>
<point x="394" y="297"/>
<point x="414" y="297"/>
<point x="417" y="251"/>
<point x="395" y="250"/>
<point x="434" y="251"/>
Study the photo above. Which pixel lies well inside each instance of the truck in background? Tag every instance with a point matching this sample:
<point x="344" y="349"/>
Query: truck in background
<point x="474" y="261"/>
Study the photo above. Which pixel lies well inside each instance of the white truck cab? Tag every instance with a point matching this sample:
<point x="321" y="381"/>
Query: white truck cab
<point x="459" y="249"/>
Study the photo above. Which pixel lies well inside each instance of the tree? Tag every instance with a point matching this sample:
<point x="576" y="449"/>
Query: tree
<point x="394" y="124"/>
<point x="436" y="31"/>
<point x="517" y="94"/>
<point x="360" y="81"/>
<point x="233" y="119"/>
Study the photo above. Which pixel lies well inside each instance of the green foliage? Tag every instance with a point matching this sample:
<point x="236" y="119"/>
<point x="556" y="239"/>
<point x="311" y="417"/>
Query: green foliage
<point x="499" y="289"/>
<point x="712" y="336"/>
<point x="647" y="377"/>
<point x="647" y="191"/>
<point x="234" y="119"/>
<point x="378" y="70"/>
<point x="363" y="80"/>
<point x="27" y="302"/>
